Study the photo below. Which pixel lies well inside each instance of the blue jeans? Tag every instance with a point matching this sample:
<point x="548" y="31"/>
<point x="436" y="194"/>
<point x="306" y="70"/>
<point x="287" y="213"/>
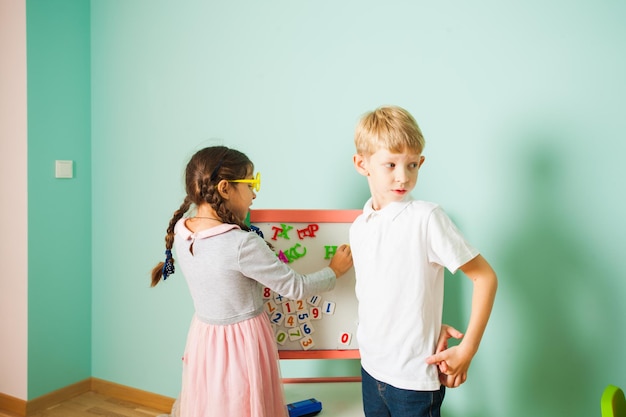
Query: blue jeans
<point x="384" y="400"/>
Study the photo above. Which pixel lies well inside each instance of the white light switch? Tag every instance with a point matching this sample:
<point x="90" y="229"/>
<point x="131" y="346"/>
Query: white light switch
<point x="64" y="169"/>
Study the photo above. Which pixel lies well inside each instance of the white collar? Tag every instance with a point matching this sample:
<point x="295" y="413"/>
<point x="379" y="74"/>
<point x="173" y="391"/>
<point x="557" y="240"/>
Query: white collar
<point x="182" y="230"/>
<point x="391" y="210"/>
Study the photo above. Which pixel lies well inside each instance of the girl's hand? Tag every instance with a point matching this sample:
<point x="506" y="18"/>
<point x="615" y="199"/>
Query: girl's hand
<point x="341" y="261"/>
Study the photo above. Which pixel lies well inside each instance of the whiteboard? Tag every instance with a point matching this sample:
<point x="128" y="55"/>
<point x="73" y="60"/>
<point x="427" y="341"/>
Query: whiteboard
<point x="324" y="325"/>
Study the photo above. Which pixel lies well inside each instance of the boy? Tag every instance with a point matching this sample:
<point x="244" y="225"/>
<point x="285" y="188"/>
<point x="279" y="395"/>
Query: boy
<point x="400" y="247"/>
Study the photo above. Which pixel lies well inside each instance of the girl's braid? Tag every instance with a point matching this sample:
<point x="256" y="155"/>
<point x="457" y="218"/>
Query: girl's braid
<point x="168" y="264"/>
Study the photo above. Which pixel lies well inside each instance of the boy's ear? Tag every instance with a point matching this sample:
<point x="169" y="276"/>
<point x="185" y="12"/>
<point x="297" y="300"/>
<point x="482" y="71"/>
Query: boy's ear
<point x="359" y="164"/>
<point x="223" y="187"/>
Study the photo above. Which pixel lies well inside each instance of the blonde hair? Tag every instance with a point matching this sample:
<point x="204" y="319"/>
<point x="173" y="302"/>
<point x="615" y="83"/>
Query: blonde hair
<point x="388" y="127"/>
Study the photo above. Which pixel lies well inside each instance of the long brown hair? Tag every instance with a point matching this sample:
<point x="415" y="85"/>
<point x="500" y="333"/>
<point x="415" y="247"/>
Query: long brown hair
<point x="205" y="170"/>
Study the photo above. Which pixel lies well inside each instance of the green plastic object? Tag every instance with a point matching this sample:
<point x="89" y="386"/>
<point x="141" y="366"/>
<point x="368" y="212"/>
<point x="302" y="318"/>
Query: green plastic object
<point x="613" y="403"/>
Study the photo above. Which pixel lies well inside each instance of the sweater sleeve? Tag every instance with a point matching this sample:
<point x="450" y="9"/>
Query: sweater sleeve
<point x="258" y="262"/>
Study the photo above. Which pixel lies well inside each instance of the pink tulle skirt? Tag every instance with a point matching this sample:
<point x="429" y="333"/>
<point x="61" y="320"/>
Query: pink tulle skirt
<point x="232" y="371"/>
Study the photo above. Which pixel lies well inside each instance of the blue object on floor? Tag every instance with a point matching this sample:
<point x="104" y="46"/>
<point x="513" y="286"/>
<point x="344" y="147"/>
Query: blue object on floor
<point x="304" y="408"/>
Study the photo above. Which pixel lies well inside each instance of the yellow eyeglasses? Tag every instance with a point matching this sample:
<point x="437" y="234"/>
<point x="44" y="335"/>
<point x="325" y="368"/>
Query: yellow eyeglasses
<point x="255" y="183"/>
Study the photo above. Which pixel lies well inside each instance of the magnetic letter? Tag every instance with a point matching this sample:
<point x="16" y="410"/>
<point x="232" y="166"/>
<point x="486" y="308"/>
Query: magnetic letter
<point x="330" y="251"/>
<point x="292" y="253"/>
<point x="276" y="231"/>
<point x="308" y="231"/>
<point x="284" y="231"/>
<point x="283" y="257"/>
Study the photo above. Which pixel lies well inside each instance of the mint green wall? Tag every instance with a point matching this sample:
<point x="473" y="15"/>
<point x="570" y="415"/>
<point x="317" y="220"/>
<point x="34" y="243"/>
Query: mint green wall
<point x="522" y="107"/>
<point x="59" y="210"/>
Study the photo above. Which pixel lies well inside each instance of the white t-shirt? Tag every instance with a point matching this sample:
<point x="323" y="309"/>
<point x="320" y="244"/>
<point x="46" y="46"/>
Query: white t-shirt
<point x="399" y="257"/>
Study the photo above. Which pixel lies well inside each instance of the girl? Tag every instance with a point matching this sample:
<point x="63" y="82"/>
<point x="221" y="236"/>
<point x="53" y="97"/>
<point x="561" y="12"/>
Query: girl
<point x="230" y="365"/>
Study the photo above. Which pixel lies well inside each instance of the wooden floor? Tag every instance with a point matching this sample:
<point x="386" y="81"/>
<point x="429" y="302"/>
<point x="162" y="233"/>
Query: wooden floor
<point x="91" y="404"/>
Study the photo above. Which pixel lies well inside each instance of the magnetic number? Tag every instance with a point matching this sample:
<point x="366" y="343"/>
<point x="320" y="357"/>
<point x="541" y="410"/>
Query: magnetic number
<point x="281" y="337"/>
<point x="307" y="343"/>
<point x="271" y="307"/>
<point x="277" y="317"/>
<point x="329" y="307"/>
<point x="290" y="321"/>
<point x="315" y="313"/>
<point x="295" y="334"/>
<point x="288" y="307"/>
<point x="267" y="292"/>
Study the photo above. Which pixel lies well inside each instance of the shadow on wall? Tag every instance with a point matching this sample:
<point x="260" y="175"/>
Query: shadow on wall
<point x="557" y="290"/>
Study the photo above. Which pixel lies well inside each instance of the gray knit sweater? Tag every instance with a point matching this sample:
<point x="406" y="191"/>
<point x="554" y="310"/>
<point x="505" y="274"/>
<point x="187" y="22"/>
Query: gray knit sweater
<point x="226" y="269"/>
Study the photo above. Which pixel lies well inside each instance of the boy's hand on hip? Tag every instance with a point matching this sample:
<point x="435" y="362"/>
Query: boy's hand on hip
<point x="452" y="363"/>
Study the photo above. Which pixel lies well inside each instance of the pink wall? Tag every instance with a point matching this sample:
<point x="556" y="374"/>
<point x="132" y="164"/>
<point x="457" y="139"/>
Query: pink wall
<point x="13" y="203"/>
